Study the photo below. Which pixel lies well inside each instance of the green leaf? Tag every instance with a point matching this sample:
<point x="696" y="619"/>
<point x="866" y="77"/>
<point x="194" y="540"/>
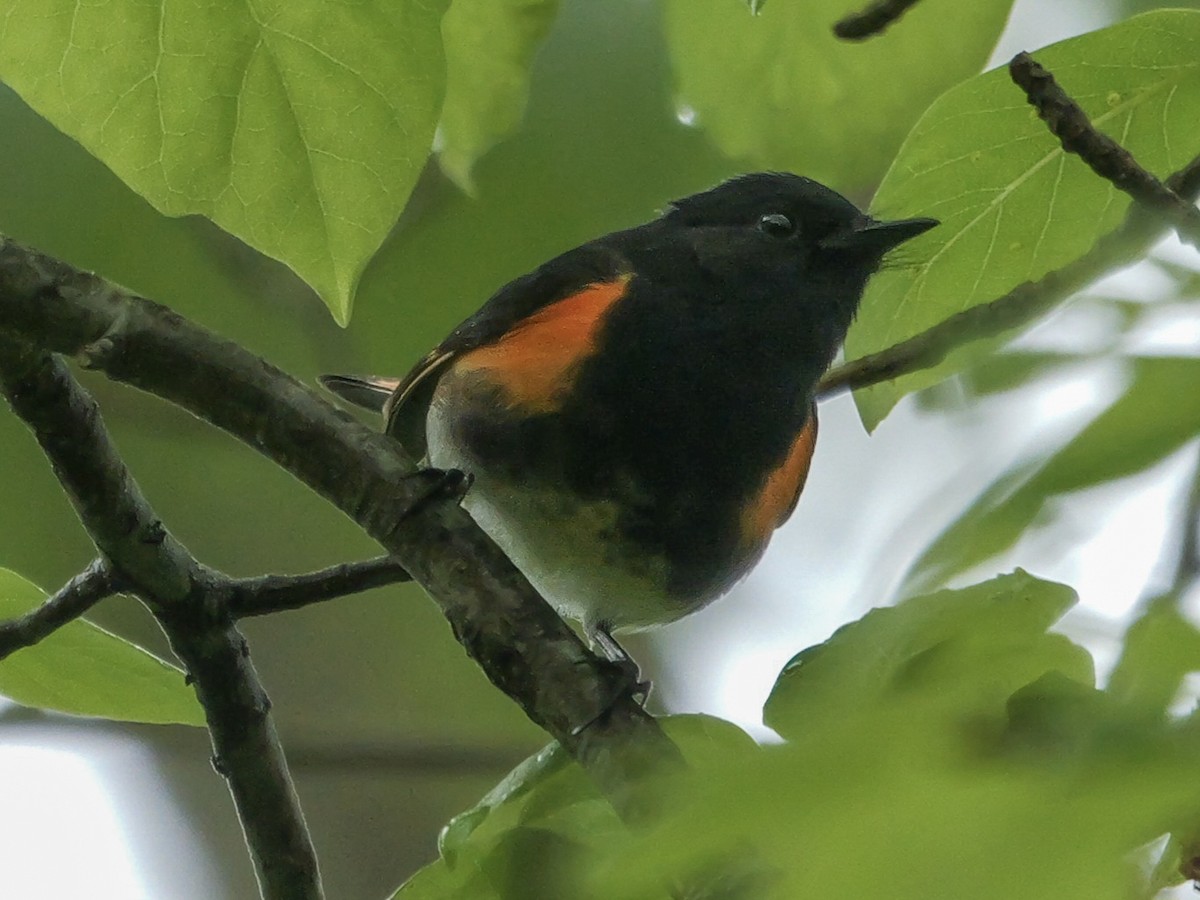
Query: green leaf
<point x="846" y="805"/>
<point x="490" y="46"/>
<point x="1158" y="413"/>
<point x="298" y="127"/>
<point x="1160" y="649"/>
<point x="536" y="770"/>
<point x="924" y="743"/>
<point x="1013" y="204"/>
<point x="532" y="835"/>
<point x="1055" y="717"/>
<point x="707" y="742"/>
<point x="1165" y="872"/>
<point x="545" y="802"/>
<point x="941" y="653"/>
<point x="85" y="670"/>
<point x="779" y="91"/>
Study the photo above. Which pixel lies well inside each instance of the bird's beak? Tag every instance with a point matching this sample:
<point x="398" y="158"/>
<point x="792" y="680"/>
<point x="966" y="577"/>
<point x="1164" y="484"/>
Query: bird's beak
<point x="870" y="236"/>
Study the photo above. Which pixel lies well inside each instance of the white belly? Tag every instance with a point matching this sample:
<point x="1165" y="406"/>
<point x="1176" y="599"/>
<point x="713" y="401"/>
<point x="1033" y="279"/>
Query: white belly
<point x="570" y="551"/>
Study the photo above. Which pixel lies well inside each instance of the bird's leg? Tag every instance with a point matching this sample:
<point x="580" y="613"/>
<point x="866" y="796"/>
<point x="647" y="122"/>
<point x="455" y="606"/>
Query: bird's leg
<point x="600" y="634"/>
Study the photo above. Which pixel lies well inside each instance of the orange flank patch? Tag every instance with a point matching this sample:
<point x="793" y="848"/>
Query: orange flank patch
<point x="775" y="500"/>
<point x="535" y="362"/>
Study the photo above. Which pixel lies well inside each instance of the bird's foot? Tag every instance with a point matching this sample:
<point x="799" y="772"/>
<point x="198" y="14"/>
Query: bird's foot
<point x="438" y="484"/>
<point x="628" y="681"/>
<point x="601" y="637"/>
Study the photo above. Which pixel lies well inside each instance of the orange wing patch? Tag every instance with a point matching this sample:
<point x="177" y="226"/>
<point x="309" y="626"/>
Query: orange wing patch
<point x="535" y="362"/>
<point x="775" y="500"/>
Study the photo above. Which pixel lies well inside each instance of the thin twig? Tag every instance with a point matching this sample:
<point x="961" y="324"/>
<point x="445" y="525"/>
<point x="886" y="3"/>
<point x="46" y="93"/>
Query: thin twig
<point x="1126" y="244"/>
<point x="520" y="642"/>
<point x="1182" y="557"/>
<point x="157" y="569"/>
<point x="1108" y="159"/>
<point x="873" y="20"/>
<point x="73" y="599"/>
<point x="275" y="593"/>
<point x="1187" y="565"/>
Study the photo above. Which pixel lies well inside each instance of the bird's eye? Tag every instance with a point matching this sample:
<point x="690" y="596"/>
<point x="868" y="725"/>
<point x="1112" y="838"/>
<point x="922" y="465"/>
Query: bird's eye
<point x="776" y="225"/>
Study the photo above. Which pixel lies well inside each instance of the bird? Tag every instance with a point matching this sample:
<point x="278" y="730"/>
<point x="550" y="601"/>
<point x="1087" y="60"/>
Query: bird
<point x="637" y="415"/>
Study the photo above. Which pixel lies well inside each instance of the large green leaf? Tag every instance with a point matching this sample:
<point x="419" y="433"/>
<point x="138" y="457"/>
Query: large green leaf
<point x="919" y="752"/>
<point x="779" y="91"/>
<point x="533" y="835"/>
<point x="489" y="49"/>
<point x="1158" y="413"/>
<point x="1160" y="649"/>
<point x="924" y="743"/>
<point x="85" y="670"/>
<point x="299" y="126"/>
<point x="1013" y="204"/>
<point x="846" y="809"/>
<point x="942" y="653"/>
<point x="526" y="838"/>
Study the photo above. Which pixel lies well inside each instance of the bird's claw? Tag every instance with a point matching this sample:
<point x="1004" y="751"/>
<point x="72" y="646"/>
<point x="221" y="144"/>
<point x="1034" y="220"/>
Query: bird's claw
<point x="439" y="484"/>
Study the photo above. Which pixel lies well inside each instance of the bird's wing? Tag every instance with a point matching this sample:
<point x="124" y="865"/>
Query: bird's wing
<point x="405" y="401"/>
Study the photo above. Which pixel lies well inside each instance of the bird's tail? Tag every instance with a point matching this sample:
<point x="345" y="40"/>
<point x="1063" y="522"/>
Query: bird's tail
<point x="368" y="391"/>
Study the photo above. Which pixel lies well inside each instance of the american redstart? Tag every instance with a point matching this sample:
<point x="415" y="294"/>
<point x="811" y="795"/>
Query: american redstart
<point x="637" y="414"/>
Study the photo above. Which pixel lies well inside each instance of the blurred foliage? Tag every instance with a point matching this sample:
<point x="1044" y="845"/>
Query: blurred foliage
<point x="1152" y="419"/>
<point x="534" y="834"/>
<point x="489" y="49"/>
<point x="776" y="90"/>
<point x="948" y="746"/>
<point x="1133" y="7"/>
<point x="1160" y="649"/>
<point x="1013" y="204"/>
<point x="85" y="670"/>
<point x="891" y="657"/>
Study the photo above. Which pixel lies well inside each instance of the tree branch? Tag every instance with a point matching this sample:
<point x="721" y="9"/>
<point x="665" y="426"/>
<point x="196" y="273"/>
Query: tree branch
<point x="1024" y="303"/>
<point x="73" y="599"/>
<point x="873" y="20"/>
<point x="1108" y="159"/>
<point x="276" y="593"/>
<point x="155" y="567"/>
<point x="1156" y="201"/>
<point x="520" y="642"/>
